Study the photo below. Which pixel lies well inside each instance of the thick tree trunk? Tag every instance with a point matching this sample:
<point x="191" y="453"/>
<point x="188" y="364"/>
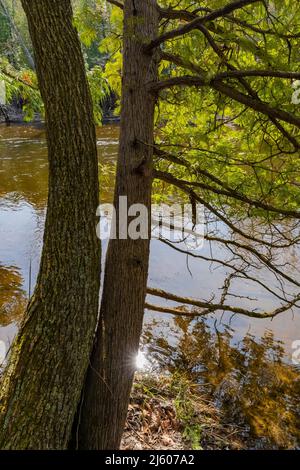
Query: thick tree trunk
<point x="42" y="384"/>
<point x="109" y="381"/>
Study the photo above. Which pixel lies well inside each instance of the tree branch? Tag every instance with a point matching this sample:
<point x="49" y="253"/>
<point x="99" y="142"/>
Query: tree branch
<point x="236" y="5"/>
<point x="210" y="307"/>
<point x="229" y="91"/>
<point x="241" y="272"/>
<point x="257" y="73"/>
<point x="17" y="79"/>
<point x="177" y="183"/>
<point x="245" y="84"/>
<point x="228" y="192"/>
<point x="116" y="3"/>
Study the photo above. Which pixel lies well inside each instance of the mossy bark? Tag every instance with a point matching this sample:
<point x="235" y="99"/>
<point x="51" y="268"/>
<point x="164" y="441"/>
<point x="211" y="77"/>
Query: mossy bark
<point x="109" y="381"/>
<point x="41" y="386"/>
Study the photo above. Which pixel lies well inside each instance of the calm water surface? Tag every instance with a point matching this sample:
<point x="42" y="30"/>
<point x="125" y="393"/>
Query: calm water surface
<point x="171" y="343"/>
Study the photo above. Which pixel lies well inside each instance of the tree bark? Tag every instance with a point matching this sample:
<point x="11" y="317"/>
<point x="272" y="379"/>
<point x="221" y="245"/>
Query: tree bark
<point x="109" y="380"/>
<point x="42" y="384"/>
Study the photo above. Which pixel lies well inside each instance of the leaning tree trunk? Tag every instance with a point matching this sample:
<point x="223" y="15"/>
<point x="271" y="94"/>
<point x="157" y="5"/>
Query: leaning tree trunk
<point x="110" y="377"/>
<point x="42" y="384"/>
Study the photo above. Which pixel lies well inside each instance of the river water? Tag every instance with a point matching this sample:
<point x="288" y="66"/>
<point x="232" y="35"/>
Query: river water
<point x="168" y="343"/>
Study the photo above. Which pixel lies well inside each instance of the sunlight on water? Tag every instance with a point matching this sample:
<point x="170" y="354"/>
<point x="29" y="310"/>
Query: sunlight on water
<point x="245" y="365"/>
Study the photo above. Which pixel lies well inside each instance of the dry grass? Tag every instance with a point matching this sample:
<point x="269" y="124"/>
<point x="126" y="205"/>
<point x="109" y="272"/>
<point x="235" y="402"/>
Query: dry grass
<point x="169" y="413"/>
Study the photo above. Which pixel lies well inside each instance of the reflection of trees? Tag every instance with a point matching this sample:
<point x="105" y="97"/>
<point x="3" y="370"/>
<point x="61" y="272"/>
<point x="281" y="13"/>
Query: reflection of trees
<point x="249" y="381"/>
<point x="24" y="168"/>
<point x="24" y="173"/>
<point x="12" y="297"/>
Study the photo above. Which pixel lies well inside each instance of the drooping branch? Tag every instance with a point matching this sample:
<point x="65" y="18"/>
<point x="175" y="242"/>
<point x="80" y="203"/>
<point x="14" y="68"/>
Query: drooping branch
<point x="232" y="244"/>
<point x="233" y="73"/>
<point x="238" y="271"/>
<point x="229" y="192"/>
<point x="230" y="92"/>
<point x="175" y="182"/>
<point x="256" y="104"/>
<point x="16" y="78"/>
<point x="261" y="257"/>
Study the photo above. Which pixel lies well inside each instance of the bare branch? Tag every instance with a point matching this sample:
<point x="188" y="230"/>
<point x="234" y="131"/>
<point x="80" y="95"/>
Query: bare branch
<point x="210" y="307"/>
<point x="238" y="271"/>
<point x="176" y="182"/>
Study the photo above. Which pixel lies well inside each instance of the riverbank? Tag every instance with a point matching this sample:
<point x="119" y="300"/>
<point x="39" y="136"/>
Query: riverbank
<point x="10" y="115"/>
<point x="168" y="413"/>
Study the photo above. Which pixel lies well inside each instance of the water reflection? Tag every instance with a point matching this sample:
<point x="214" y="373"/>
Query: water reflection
<point x="241" y="361"/>
<point x="24" y="166"/>
<point x="23" y="201"/>
<point x="13" y="298"/>
<point x="250" y="380"/>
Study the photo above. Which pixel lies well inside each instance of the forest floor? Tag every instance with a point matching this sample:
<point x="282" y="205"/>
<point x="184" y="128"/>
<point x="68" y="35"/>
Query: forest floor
<point x="165" y="413"/>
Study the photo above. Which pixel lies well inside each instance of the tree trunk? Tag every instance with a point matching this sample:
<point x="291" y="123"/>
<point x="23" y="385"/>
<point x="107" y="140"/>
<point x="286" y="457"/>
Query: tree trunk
<point x="109" y="381"/>
<point x="42" y="384"/>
